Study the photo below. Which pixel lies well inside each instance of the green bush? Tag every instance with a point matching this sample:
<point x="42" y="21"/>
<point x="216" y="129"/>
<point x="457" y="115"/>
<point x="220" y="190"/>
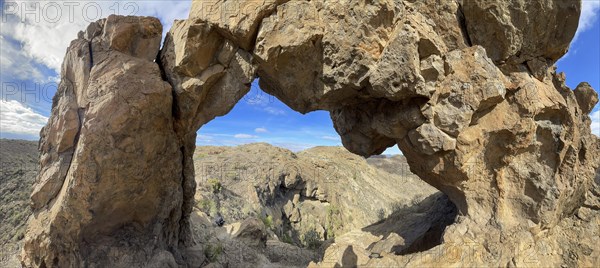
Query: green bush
<point x="203" y="204"/>
<point x="267" y="221"/>
<point x="215" y="185"/>
<point x="213" y="252"/>
<point x="208" y="206"/>
<point x="285" y="238"/>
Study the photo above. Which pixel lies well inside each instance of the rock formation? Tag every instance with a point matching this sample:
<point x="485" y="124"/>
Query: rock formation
<point x="466" y="89"/>
<point x="110" y="189"/>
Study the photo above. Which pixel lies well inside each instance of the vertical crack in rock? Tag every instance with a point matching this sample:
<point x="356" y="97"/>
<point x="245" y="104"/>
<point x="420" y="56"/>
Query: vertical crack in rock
<point x="80" y="118"/>
<point x="463" y="24"/>
<point x="183" y="223"/>
<point x="163" y="75"/>
<point x="91" y="51"/>
<point x="188" y="185"/>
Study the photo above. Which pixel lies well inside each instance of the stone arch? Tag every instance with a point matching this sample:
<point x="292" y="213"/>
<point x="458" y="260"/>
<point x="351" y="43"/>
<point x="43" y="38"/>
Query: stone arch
<point x="116" y="181"/>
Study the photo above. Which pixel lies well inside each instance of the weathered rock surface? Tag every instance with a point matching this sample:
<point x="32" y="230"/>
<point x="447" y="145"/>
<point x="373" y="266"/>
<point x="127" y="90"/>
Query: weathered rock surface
<point x="496" y="128"/>
<point x="519" y="31"/>
<point x="109" y="191"/>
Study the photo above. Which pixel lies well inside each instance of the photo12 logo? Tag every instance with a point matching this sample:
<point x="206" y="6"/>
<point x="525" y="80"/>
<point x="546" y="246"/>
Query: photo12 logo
<point x="28" y="93"/>
<point x="55" y="12"/>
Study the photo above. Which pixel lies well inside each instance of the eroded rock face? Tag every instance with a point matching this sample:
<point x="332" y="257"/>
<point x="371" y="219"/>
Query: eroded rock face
<point x="519" y="31"/>
<point x="465" y="89"/>
<point x="110" y="157"/>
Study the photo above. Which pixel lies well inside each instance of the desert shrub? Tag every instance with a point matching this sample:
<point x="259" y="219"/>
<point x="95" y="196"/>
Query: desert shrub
<point x="207" y="206"/>
<point x="213" y="252"/>
<point x="267" y="221"/>
<point x="330" y="232"/>
<point x="332" y="210"/>
<point x="215" y="185"/>
<point x="286" y="238"/>
<point x="18" y="169"/>
<point x="214" y="209"/>
<point x="19" y="234"/>
<point x="204" y="204"/>
<point x="311" y="239"/>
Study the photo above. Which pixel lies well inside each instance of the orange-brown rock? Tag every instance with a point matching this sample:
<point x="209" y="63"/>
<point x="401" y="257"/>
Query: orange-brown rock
<point x="466" y="89"/>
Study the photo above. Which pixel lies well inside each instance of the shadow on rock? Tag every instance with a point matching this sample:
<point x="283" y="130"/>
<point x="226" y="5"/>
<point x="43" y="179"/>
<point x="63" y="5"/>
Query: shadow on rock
<point x="419" y="226"/>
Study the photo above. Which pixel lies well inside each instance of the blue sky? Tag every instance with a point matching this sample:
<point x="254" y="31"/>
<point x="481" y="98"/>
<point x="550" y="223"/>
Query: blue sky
<point x="32" y="47"/>
<point x="260" y="117"/>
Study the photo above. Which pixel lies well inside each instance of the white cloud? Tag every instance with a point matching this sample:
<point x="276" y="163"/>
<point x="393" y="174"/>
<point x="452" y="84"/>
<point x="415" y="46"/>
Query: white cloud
<point x="16" y="65"/>
<point x="331" y="138"/>
<point x="257" y="98"/>
<point x="16" y="118"/>
<point x="45" y="28"/>
<point x="244" y="136"/>
<point x="200" y="138"/>
<point x="261" y="100"/>
<point x="596" y="122"/>
<point x="274" y="111"/>
<point x="261" y="130"/>
<point x="589" y="15"/>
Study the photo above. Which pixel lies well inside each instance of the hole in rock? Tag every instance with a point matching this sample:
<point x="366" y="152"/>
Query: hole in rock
<point x="275" y="185"/>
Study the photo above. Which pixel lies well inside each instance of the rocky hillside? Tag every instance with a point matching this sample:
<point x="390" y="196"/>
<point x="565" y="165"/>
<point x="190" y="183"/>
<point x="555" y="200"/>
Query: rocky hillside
<point x="395" y="164"/>
<point x="309" y="199"/>
<point x="18" y="168"/>
<point x="327" y="190"/>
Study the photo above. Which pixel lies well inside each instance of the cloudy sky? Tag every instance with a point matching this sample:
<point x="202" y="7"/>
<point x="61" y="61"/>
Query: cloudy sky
<point x="34" y="37"/>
